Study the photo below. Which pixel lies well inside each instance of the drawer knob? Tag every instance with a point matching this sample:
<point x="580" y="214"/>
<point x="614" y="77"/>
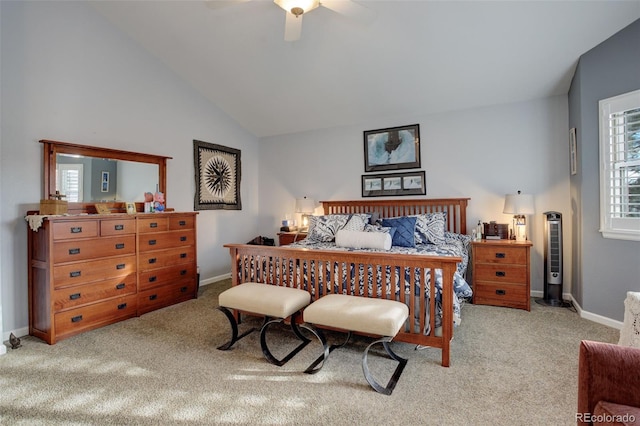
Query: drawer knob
<point x="153" y="260"/>
<point x="75" y="274"/>
<point x="119" y="246"/>
<point x="118" y="227"/>
<point x="77" y="318"/>
<point x="152" y="242"/>
<point x="152" y="279"/>
<point x="501" y="274"/>
<point x="74" y="296"/>
<point x="184" y="289"/>
<point x="120" y="266"/>
<point x="153" y="225"/>
<point x="153" y="297"/>
<point x="122" y="306"/>
<point x="120" y="286"/>
<point x="500" y="255"/>
<point x="182" y="222"/>
<point x="501" y="292"/>
<point x="183" y="255"/>
<point x="74" y="251"/>
<point x="183" y="238"/>
<point x="76" y="229"/>
<point x="183" y="272"/>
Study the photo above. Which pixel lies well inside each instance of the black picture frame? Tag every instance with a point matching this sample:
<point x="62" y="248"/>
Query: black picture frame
<point x="390" y="148"/>
<point x="394" y="184"/>
<point x="217" y="174"/>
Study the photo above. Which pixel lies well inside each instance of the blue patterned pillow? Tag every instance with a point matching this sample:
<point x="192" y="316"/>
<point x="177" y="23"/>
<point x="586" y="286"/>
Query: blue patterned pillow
<point x="357" y="222"/>
<point x="430" y="228"/>
<point x="324" y="228"/>
<point x="405" y="230"/>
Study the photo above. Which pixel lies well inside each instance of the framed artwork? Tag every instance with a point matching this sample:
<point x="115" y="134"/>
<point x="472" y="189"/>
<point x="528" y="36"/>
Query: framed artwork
<point x="131" y="208"/>
<point x="104" y="182"/>
<point x="394" y="148"/>
<point x="217" y="177"/>
<point x="394" y="184"/>
<point x="573" y="151"/>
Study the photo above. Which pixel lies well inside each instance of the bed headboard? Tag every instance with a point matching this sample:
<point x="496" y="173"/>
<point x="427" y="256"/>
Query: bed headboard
<point x="455" y="208"/>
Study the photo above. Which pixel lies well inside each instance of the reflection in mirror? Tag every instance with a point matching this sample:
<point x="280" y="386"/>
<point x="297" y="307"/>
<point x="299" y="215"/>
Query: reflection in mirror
<point x="90" y="180"/>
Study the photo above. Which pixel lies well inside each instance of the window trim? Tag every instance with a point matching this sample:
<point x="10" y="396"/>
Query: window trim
<point x="624" y="228"/>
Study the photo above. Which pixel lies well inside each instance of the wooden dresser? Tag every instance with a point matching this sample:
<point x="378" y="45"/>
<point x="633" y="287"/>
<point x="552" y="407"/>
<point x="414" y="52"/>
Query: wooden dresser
<point x="501" y="273"/>
<point x="87" y="271"/>
<point x="286" y="238"/>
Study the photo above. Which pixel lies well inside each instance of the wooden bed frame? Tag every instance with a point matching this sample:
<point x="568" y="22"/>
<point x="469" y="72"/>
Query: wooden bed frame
<point x="248" y="264"/>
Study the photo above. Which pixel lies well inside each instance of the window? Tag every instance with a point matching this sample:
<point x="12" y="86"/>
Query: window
<point x="69" y="180"/>
<point x="620" y="166"/>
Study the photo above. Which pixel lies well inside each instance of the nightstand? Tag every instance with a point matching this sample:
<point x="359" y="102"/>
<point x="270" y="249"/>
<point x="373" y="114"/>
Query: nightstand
<point x="501" y="273"/>
<point x="286" y="238"/>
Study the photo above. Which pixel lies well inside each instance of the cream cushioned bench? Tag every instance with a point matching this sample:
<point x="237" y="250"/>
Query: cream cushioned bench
<point x="271" y="301"/>
<point x="379" y="317"/>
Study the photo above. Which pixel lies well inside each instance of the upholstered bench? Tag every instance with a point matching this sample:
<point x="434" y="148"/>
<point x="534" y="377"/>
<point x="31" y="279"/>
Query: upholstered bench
<point x="380" y="317"/>
<point x="275" y="303"/>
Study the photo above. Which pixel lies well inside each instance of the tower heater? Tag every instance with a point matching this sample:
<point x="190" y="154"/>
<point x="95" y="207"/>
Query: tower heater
<point x="553" y="260"/>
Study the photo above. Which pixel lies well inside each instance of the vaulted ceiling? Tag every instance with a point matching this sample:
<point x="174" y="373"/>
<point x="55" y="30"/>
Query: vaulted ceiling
<point x="405" y="58"/>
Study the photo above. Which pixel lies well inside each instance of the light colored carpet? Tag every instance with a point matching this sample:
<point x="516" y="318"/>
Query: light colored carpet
<point x="508" y="367"/>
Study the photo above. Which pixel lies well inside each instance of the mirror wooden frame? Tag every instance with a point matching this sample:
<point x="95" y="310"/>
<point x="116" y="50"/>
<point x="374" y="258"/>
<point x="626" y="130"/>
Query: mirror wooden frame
<point x="53" y="148"/>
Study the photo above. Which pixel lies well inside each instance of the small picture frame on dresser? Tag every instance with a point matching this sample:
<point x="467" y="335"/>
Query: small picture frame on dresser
<point x="103" y="209"/>
<point x="131" y="208"/>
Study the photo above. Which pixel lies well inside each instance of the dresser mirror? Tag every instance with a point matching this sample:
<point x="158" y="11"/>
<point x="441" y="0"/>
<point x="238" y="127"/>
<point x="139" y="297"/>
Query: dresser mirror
<point x="88" y="175"/>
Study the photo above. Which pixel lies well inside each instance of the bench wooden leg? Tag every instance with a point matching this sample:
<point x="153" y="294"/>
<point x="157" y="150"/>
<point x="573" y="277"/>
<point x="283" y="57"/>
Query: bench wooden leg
<point x="386" y="390"/>
<point x="265" y="349"/>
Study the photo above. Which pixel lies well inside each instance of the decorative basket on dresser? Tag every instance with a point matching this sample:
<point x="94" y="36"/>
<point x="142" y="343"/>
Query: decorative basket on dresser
<point x="88" y="271"/>
<point x="501" y="273"/>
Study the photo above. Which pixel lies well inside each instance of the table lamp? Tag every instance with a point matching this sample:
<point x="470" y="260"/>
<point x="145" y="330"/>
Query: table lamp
<point x="519" y="205"/>
<point x="305" y="206"/>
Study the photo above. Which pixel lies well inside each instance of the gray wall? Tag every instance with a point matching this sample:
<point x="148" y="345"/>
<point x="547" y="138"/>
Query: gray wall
<point x="603" y="269"/>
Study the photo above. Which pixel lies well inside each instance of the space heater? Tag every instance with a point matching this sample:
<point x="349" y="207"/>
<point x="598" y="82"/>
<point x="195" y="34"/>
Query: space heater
<point x="553" y="261"/>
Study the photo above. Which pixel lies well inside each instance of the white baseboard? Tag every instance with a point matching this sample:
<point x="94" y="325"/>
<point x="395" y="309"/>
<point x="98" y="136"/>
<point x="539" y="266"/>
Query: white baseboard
<point x="584" y="314"/>
<point x="215" y="279"/>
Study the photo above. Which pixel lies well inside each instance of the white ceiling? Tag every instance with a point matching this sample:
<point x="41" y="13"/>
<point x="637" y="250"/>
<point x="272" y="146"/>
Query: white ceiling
<point x="412" y="58"/>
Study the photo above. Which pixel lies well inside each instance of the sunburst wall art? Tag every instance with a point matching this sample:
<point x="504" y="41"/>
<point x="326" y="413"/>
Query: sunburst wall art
<point x="217" y="177"/>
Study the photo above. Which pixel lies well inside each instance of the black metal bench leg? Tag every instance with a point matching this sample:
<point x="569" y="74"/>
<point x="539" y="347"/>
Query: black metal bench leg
<point x="386" y="390"/>
<point x="234" y="329"/>
<point x="311" y="369"/>
<point x="265" y="349"/>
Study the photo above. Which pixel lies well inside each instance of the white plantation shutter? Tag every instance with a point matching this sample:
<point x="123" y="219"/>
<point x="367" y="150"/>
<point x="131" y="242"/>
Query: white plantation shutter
<point x="69" y="182"/>
<point x="620" y="166"/>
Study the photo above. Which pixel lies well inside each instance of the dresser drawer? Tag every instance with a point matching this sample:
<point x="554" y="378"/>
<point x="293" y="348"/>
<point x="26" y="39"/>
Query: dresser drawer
<point x="501" y="294"/>
<point x="73" y="250"/>
<point x="117" y="227"/>
<point x="164" y="296"/>
<point x="500" y="273"/>
<point x="497" y="254"/>
<point x="182" y="222"/>
<point x="69" y="297"/>
<point x="64" y="230"/>
<point x="153" y="224"/>
<point x="84" y="272"/>
<point x="165" y="240"/>
<point x="162" y="258"/>
<point x="159" y="277"/>
<point x="96" y="315"/>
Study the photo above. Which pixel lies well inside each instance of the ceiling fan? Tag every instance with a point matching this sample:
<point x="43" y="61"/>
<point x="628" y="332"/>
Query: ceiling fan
<point x="295" y="9"/>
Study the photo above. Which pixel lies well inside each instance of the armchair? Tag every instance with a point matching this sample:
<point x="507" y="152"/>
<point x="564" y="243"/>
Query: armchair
<point x="608" y="384"/>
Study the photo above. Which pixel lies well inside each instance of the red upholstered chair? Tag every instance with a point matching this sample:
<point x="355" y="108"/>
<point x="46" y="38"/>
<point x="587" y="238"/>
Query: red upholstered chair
<point x="608" y="384"/>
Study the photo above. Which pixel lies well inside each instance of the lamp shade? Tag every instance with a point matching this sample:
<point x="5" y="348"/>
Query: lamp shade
<point x="519" y="204"/>
<point x="305" y="205"/>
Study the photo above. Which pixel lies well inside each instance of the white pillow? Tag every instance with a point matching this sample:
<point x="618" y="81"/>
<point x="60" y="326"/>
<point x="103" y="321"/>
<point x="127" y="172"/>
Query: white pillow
<point x="359" y="239"/>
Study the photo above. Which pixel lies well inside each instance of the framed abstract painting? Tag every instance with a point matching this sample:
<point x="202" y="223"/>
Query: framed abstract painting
<point x="218" y="172"/>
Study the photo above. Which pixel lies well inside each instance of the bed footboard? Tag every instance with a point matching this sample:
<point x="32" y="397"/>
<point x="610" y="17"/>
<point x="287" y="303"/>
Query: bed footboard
<point x="399" y="277"/>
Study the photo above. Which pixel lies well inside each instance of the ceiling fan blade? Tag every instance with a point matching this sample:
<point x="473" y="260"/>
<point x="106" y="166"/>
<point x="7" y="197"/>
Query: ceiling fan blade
<point x="350" y="9"/>
<point x="292" y="27"/>
<point x="221" y="4"/>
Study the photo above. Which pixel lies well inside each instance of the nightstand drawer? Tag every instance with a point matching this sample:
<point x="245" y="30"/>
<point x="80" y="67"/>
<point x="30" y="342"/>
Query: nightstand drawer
<point x="500" y="273"/>
<point x="497" y="254"/>
<point x="501" y="294"/>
